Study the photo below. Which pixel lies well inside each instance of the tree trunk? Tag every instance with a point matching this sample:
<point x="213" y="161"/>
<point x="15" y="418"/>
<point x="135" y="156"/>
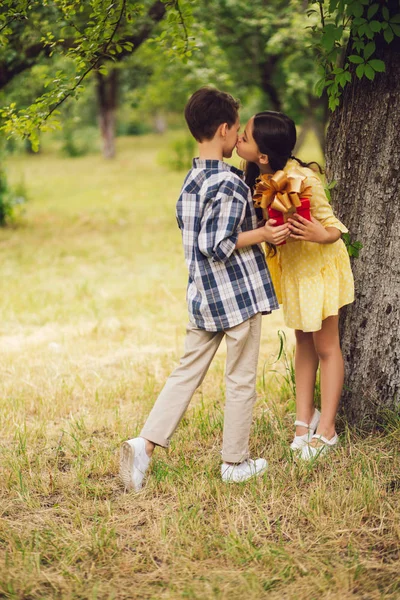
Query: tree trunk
<point x="160" y="123"/>
<point x="363" y="156"/>
<point x="271" y="91"/>
<point x="107" y="86"/>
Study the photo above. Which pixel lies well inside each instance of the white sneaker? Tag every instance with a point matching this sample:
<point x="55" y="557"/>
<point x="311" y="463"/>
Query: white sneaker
<point x="322" y="446"/>
<point x="134" y="463"/>
<point x="243" y="471"/>
<point x="300" y="441"/>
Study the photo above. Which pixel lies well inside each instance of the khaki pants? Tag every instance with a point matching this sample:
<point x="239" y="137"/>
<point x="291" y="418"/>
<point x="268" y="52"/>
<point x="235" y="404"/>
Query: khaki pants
<point x="242" y="344"/>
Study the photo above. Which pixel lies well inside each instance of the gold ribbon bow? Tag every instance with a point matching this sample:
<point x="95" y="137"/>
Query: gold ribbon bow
<point x="281" y="191"/>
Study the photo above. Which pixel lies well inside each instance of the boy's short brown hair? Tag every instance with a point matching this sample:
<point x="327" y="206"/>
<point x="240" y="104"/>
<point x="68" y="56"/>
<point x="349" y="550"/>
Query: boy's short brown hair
<point x="207" y="109"/>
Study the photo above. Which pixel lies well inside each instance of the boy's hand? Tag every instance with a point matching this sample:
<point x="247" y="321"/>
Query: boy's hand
<point x="276" y="235"/>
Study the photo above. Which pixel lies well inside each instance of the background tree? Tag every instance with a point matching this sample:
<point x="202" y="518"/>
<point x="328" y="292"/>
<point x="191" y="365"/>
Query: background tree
<point x="269" y="49"/>
<point x="87" y="34"/>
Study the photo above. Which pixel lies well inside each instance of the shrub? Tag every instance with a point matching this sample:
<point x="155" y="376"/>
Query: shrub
<point x="179" y="154"/>
<point x="12" y="200"/>
<point x="79" y="141"/>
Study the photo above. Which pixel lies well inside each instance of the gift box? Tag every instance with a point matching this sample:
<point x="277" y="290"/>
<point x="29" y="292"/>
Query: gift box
<point x="281" y="218"/>
<point x="281" y="195"/>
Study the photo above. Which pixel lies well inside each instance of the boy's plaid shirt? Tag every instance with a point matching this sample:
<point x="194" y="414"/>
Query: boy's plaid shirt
<point x="226" y="286"/>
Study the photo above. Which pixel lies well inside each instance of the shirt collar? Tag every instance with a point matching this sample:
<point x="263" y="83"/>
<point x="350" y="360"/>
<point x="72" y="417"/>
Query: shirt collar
<point x="218" y="165"/>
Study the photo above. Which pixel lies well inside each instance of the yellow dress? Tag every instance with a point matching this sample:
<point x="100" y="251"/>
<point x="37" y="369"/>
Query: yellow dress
<point x="312" y="281"/>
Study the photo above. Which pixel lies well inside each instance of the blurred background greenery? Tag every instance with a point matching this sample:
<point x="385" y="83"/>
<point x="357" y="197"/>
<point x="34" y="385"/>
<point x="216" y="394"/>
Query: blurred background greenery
<point x="259" y="52"/>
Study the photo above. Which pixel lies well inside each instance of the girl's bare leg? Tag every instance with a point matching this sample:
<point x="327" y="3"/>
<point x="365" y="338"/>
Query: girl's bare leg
<point x="306" y="364"/>
<point x="328" y="349"/>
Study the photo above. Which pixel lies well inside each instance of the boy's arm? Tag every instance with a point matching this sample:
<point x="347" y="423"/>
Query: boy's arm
<point x="219" y="237"/>
<point x="222" y="217"/>
<point x="267" y="233"/>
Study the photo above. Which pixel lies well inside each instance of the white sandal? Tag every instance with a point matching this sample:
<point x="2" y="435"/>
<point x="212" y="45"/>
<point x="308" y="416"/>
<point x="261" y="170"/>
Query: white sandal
<point x="321" y="447"/>
<point x="300" y="441"/>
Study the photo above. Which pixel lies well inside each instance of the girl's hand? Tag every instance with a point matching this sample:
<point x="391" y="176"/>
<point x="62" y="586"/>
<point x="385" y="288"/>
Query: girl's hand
<point x="308" y="231"/>
<point x="276" y="235"/>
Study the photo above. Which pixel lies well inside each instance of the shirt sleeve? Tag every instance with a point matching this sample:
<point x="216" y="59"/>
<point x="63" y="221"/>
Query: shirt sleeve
<point x="223" y="216"/>
<point x="320" y="207"/>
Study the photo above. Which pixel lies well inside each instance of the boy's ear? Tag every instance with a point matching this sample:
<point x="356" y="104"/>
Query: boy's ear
<point x="223" y="129"/>
<point x="263" y="158"/>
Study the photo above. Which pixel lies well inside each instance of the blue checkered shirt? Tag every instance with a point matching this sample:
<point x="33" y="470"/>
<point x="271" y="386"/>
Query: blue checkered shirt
<point x="226" y="286"/>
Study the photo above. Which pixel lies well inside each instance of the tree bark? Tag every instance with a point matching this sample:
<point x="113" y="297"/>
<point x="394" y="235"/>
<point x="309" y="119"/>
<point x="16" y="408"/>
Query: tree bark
<point x="107" y="86"/>
<point x="363" y="156"/>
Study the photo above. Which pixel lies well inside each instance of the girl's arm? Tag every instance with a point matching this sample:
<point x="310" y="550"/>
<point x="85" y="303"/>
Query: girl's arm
<point x="324" y="227"/>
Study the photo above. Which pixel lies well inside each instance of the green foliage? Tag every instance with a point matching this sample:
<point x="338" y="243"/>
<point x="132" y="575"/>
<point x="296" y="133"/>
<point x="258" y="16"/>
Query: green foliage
<point x="355" y="25"/>
<point x="353" y="247"/>
<point x="179" y="154"/>
<point x="268" y="48"/>
<point x="328" y="188"/>
<point x="79" y="141"/>
<point x="86" y="35"/>
<point x="12" y="200"/>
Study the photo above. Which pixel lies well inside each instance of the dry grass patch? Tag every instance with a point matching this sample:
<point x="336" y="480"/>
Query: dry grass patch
<point x="92" y="322"/>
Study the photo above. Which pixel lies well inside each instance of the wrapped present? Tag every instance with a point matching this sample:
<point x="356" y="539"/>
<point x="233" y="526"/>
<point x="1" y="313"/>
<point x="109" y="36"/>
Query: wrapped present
<point x="281" y="195"/>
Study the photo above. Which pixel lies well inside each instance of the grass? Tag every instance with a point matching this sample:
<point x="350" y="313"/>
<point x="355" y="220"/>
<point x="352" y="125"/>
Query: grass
<point x="92" y="322"/>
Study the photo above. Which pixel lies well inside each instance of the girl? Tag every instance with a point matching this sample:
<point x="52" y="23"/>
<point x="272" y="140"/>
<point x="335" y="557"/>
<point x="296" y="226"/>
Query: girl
<point x="312" y="278"/>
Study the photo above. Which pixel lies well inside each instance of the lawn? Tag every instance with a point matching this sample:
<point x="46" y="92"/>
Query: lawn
<point x="93" y="316"/>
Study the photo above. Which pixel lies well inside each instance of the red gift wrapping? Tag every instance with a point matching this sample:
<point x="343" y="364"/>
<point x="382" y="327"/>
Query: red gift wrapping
<point x="303" y="211"/>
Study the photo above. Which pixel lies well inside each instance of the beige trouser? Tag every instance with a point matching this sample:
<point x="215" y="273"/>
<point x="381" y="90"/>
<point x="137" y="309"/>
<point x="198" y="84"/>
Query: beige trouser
<point x="242" y="344"/>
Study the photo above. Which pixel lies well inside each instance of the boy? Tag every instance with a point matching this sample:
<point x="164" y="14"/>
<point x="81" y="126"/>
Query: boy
<point x="229" y="289"/>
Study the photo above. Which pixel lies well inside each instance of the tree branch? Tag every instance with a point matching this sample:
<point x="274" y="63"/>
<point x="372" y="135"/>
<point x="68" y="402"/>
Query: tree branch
<point x="32" y="54"/>
<point x="93" y="64"/>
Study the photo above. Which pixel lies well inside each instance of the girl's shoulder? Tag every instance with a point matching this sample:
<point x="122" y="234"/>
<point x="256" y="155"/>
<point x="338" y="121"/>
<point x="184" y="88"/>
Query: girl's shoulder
<point x="292" y="166"/>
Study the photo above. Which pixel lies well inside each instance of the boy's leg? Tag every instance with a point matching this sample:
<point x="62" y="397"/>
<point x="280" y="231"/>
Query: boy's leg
<point x="171" y="404"/>
<point x="200" y="348"/>
<point x="243" y="344"/>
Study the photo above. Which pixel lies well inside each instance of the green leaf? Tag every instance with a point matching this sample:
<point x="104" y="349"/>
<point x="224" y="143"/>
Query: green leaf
<point x="368" y="32"/>
<point x="369" y="50"/>
<point x="357" y="9"/>
<point x="353" y="248"/>
<point x="319" y="86"/>
<point x="332" y="6"/>
<point x="375" y="26"/>
<point x="385" y="13"/>
<point x="333" y="102"/>
<point x="395" y="19"/>
<point x="377" y="65"/>
<point x="369" y="72"/>
<point x="361" y="30"/>
<point x="330" y="34"/>
<point x="373" y="9"/>
<point x="388" y="35"/>
<point x="360" y="71"/>
<point x="395" y="29"/>
<point x="354" y="58"/>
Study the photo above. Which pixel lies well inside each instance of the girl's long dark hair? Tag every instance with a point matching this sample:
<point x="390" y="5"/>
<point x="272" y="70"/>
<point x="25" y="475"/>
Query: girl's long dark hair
<point x="275" y="136"/>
